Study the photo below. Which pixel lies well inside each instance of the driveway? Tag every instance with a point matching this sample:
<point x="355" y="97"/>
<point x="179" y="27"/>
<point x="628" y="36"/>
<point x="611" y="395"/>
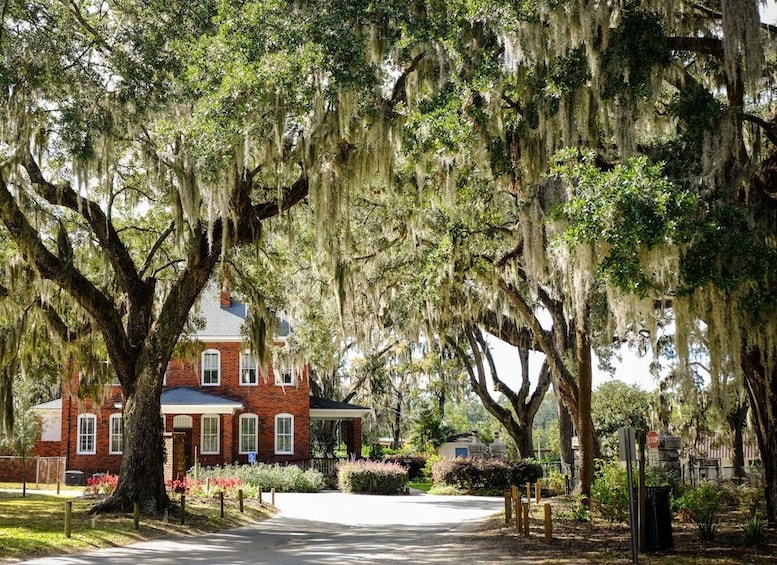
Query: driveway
<point x="326" y="528"/>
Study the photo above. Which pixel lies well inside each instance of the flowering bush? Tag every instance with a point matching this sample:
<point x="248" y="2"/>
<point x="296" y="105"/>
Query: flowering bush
<point x="101" y="485"/>
<point x="371" y="477"/>
<point x="474" y="473"/>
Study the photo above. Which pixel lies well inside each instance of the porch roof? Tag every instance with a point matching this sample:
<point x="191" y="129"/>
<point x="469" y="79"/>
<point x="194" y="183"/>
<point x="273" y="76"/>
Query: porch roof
<point x="184" y="400"/>
<point x="325" y="409"/>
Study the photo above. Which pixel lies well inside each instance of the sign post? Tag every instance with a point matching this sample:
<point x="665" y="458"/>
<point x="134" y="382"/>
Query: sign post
<point x="627" y="453"/>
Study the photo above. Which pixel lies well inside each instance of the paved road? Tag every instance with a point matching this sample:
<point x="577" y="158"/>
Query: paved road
<point x="326" y="528"/>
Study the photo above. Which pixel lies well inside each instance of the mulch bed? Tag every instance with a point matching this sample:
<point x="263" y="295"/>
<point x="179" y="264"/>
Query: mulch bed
<point x="602" y="542"/>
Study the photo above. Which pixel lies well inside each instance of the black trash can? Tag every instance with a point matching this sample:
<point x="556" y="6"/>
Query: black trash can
<point x="658" y="518"/>
<point x="74" y="478"/>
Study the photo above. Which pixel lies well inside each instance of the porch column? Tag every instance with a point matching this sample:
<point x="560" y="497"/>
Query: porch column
<point x="353" y="436"/>
<point x="228" y="437"/>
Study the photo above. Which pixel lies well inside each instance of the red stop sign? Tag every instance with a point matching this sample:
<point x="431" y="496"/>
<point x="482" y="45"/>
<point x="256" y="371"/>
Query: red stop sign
<point x="652" y="440"/>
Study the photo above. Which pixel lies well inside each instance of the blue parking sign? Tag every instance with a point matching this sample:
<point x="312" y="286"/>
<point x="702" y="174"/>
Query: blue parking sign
<point x="252" y="456"/>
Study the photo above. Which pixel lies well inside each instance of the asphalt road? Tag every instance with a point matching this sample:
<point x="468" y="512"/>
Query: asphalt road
<point x="325" y="528"/>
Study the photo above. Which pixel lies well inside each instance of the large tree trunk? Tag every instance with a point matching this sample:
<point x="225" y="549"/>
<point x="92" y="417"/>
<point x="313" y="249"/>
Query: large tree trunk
<point x="566" y="429"/>
<point x="762" y="389"/>
<point x="585" y="429"/>
<point x="141" y="478"/>
<point x="737" y="418"/>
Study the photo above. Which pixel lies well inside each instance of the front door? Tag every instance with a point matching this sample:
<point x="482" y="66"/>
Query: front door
<point x="182" y="453"/>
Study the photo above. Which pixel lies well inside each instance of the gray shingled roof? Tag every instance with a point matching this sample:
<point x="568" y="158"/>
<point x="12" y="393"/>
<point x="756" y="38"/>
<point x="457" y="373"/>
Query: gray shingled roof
<point x="227" y="322"/>
<point x="189" y="396"/>
<point x="326" y="404"/>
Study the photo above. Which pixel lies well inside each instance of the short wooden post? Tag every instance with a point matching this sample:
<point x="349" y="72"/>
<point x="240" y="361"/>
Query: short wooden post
<point x="240" y="498"/>
<point x="518" y="515"/>
<point x="528" y="492"/>
<point x="207" y="485"/>
<point x="272" y="496"/>
<point x="57" y="488"/>
<point x="537" y="493"/>
<point x="68" y="518"/>
<point x="136" y="515"/>
<point x="526" y="518"/>
<point x="221" y="500"/>
<point x="165" y="517"/>
<point x="183" y="506"/>
<point x="260" y="494"/>
<point x="508" y="507"/>
<point x="548" y="524"/>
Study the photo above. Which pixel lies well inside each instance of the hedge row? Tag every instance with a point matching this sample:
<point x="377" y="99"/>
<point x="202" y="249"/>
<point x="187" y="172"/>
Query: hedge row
<point x="475" y="473"/>
<point x="282" y="478"/>
<point x="374" y="477"/>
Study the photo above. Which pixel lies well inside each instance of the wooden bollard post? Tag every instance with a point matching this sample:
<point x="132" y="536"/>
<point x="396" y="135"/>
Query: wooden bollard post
<point x="68" y="518"/>
<point x="537" y="492"/>
<point x="207" y="485"/>
<point x="528" y="492"/>
<point x="136" y="515"/>
<point x="221" y="500"/>
<point x="508" y="507"/>
<point x="526" y="518"/>
<point x="183" y="506"/>
<point x="548" y="524"/>
<point x="260" y="494"/>
<point x="518" y="514"/>
<point x="240" y="498"/>
<point x="166" y="517"/>
<point x="272" y="496"/>
<point x="57" y="488"/>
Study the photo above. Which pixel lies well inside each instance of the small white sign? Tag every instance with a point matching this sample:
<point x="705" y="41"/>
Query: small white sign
<point x="652" y="458"/>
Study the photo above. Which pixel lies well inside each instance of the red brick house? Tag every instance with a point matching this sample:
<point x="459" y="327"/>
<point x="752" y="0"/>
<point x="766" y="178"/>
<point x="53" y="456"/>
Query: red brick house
<point x="220" y="408"/>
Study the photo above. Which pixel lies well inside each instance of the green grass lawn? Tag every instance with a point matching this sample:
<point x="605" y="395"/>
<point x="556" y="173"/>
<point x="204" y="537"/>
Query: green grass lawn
<point x="34" y="525"/>
<point x="424" y="486"/>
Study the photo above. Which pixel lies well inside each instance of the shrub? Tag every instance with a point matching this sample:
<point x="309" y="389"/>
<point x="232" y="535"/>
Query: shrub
<point x="608" y="493"/>
<point x="414" y="464"/>
<point x="474" y="473"/>
<point x="283" y="479"/>
<point x="703" y="504"/>
<point x="555" y="484"/>
<point x="373" y="477"/>
<point x="575" y="510"/>
<point x="101" y="485"/>
<point x="753" y="531"/>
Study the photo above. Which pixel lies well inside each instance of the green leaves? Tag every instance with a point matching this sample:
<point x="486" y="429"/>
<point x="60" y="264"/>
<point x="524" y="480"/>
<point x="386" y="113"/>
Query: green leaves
<point x="621" y="211"/>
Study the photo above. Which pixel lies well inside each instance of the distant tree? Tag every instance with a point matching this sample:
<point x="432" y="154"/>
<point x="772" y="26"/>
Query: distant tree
<point x="615" y="404"/>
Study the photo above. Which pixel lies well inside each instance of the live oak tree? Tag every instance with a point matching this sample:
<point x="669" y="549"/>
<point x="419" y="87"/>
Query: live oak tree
<point x="141" y="145"/>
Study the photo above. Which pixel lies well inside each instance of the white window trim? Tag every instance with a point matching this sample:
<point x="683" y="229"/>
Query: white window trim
<point x="111" y="435"/>
<point x="202" y="434"/>
<point x="218" y="367"/>
<point x="275" y="434"/>
<point x="255" y="368"/>
<point x="81" y="418"/>
<point x="279" y="378"/>
<point x="244" y="417"/>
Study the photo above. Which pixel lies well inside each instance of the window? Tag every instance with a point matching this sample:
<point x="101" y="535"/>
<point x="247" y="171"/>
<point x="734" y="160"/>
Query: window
<point x="248" y="370"/>
<point x="248" y="429"/>
<point x="284" y="434"/>
<point x="210" y="434"/>
<point x="211" y="368"/>
<point x="284" y="378"/>
<point x="87" y="424"/>
<point x="116" y="434"/>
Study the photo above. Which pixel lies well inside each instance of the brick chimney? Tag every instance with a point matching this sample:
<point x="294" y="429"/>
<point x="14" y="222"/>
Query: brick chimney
<point x="226" y="297"/>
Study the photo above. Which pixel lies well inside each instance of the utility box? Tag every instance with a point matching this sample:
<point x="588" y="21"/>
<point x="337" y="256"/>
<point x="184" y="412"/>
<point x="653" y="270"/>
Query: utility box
<point x="74" y="478"/>
<point x="658" y="518"/>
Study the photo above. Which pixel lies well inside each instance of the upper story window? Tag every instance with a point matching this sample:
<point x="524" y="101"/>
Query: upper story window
<point x="116" y="434"/>
<point x="211" y="367"/>
<point x="249" y="373"/>
<point x="284" y="378"/>
<point x="87" y="426"/>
